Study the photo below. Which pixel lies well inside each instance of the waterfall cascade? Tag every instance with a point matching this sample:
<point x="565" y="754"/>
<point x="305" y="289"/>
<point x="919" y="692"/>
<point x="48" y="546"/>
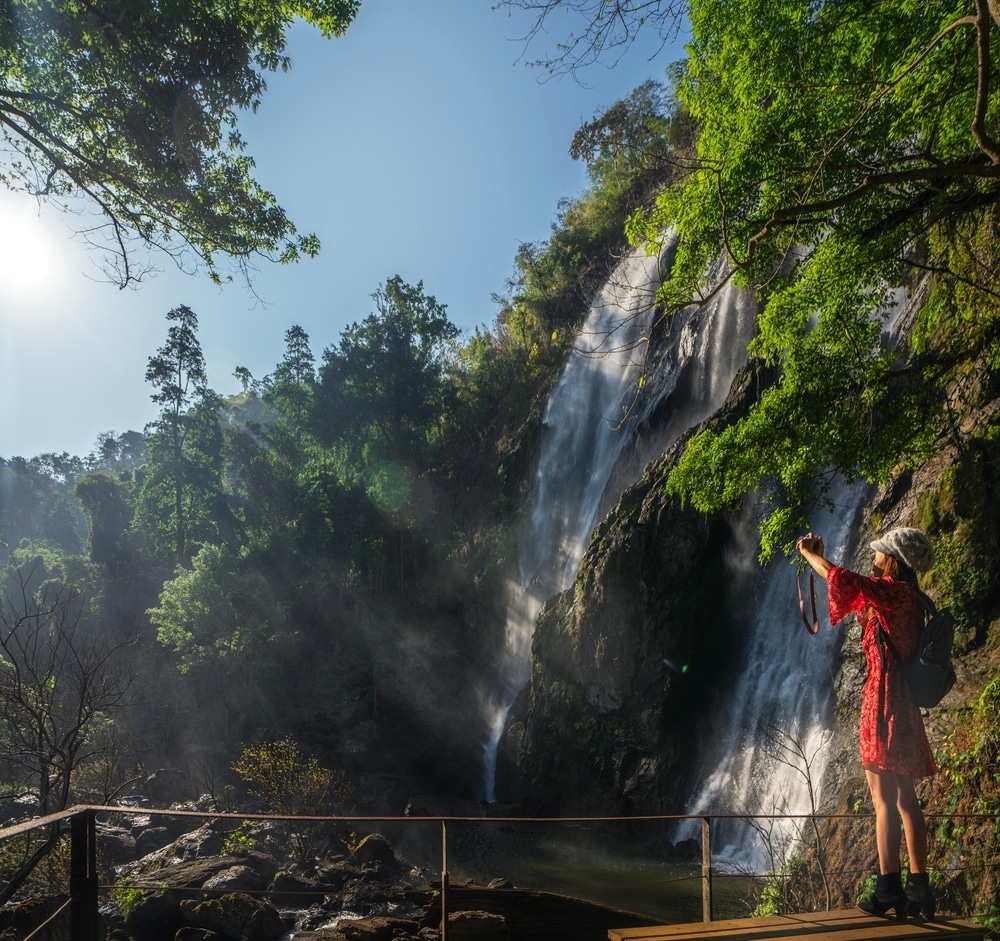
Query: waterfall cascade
<point x="590" y="422"/>
<point x="770" y="753"/>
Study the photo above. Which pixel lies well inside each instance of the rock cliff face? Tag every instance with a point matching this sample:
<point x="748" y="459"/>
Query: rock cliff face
<point x="609" y="720"/>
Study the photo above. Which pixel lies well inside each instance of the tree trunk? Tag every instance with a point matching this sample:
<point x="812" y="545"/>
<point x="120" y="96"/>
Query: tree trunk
<point x="19" y="877"/>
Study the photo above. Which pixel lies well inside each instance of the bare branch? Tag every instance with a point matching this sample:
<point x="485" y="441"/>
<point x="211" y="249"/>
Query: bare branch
<point x="57" y="676"/>
<point x="609" y="28"/>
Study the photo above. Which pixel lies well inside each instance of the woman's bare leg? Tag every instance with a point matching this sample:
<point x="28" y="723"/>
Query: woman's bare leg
<point x="884" y="789"/>
<point x="914" y="824"/>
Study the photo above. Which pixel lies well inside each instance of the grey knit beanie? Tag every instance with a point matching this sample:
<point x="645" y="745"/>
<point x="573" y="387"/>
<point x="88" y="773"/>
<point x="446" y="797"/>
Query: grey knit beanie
<point x="910" y="546"/>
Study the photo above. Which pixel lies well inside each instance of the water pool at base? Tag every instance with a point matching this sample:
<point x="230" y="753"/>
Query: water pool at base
<point x="595" y="865"/>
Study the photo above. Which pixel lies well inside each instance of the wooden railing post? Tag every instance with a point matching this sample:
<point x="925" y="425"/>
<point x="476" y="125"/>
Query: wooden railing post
<point x="84" y="917"/>
<point x="706" y="869"/>
<point x="444" y="880"/>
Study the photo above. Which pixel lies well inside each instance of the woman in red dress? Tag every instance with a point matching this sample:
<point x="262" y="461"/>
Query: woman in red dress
<point x="894" y="746"/>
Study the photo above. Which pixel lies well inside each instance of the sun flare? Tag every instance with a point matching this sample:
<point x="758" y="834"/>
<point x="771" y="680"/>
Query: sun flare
<point x="32" y="252"/>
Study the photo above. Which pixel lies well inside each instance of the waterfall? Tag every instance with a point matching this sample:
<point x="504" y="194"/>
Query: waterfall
<point x="597" y="435"/>
<point x="772" y="730"/>
<point x="584" y="428"/>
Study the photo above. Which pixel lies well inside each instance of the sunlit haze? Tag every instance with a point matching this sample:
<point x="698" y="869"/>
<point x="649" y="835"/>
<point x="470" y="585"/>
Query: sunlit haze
<point x="416" y="145"/>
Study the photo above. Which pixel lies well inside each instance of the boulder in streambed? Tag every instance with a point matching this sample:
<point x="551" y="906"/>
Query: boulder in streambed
<point x="236" y="915"/>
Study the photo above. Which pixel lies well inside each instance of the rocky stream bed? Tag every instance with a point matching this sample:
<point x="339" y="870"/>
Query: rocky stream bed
<point x="218" y="878"/>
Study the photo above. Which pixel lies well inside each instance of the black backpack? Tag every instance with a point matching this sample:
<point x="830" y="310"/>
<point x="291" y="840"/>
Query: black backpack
<point x="930" y="674"/>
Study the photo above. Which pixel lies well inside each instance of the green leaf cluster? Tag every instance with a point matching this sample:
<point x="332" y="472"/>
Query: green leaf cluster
<point x="135" y="108"/>
<point x="217" y="611"/>
<point x="381" y="390"/>
<point x="176" y="503"/>
<point x="290" y="782"/>
<point x="774" y="894"/>
<point x="628" y="150"/>
<point x="129" y="898"/>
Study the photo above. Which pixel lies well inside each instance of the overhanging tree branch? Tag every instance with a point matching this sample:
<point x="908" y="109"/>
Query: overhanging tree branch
<point x="978" y="128"/>
<point x="136" y="109"/>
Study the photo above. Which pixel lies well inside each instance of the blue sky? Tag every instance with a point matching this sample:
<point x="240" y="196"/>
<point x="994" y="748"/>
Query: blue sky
<point x="416" y="144"/>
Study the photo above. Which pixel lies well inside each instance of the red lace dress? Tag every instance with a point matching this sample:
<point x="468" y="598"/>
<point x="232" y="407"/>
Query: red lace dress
<point x="891" y="729"/>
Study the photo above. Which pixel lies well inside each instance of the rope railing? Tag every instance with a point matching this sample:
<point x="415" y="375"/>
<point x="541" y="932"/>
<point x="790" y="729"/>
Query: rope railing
<point x="85" y="886"/>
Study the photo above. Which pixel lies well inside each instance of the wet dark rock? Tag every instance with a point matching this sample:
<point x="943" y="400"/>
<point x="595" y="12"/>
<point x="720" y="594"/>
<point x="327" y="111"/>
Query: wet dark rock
<point x="379" y="928"/>
<point x="18" y="921"/>
<point x="197" y="844"/>
<point x="293" y="889"/>
<point x="186" y="875"/>
<point x="19" y="808"/>
<point x="134" y="800"/>
<point x="375" y="848"/>
<point x="239" y="878"/>
<point x="477" y="926"/>
<point x="139" y="822"/>
<point x="237" y="915"/>
<point x="117" y="844"/>
<point x="151" y="840"/>
<point x="368" y="898"/>
<point x="687" y="849"/>
<point x="157" y="918"/>
<point x="314" y="918"/>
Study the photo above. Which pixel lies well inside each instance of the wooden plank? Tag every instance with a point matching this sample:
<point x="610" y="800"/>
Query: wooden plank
<point x="696" y="928"/>
<point x="771" y="926"/>
<point x="821" y="926"/>
<point x="884" y="931"/>
<point x="749" y="928"/>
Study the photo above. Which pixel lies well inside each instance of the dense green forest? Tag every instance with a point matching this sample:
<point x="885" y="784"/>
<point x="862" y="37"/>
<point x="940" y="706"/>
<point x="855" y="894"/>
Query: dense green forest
<point x="322" y="556"/>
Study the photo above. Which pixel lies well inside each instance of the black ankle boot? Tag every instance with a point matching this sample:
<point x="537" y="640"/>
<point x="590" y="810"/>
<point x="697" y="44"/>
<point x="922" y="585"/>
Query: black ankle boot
<point x="888" y="894"/>
<point x="919" y="896"/>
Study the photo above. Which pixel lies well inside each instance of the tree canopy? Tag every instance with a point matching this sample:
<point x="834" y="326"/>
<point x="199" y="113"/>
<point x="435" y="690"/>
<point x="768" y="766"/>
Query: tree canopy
<point x="381" y="387"/>
<point x="135" y="108"/>
<point x="844" y="151"/>
<point x="184" y="477"/>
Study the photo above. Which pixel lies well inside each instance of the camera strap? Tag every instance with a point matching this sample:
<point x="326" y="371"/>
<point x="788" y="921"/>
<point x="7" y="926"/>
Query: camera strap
<point x="813" y="628"/>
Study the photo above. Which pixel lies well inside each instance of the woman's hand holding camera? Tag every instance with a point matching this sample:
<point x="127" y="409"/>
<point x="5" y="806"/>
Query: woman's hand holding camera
<point x="812" y="551"/>
<point x="810" y="543"/>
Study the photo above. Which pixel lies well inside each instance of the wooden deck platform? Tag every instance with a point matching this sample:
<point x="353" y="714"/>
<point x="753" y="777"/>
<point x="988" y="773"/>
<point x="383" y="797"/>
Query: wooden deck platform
<point x="817" y="926"/>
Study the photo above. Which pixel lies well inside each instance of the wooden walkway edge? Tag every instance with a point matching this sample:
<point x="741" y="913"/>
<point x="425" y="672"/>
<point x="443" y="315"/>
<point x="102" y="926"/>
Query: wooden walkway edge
<point x="816" y="926"/>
